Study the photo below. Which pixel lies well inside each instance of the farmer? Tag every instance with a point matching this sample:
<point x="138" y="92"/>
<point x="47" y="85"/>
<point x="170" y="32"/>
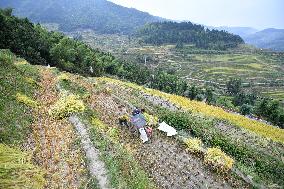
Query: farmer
<point x="139" y="121"/>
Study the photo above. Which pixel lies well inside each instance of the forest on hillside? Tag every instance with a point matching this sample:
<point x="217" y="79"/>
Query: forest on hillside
<point x="99" y="15"/>
<point x="186" y="32"/>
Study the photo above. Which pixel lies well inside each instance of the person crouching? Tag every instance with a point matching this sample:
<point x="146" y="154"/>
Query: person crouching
<point x="139" y="121"/>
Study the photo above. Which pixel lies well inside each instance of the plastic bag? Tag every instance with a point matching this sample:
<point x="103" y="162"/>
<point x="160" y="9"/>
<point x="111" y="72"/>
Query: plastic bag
<point x="168" y="129"/>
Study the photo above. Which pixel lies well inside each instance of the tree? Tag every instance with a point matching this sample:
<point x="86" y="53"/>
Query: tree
<point x="209" y="95"/>
<point x="193" y="92"/>
<point x="179" y="45"/>
<point x="244" y="98"/>
<point x="246" y="109"/>
<point x="187" y="33"/>
<point x="271" y="110"/>
<point x="234" y="86"/>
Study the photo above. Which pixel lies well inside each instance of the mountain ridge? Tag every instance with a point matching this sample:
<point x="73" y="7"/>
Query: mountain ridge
<point x="269" y="38"/>
<point x="100" y="15"/>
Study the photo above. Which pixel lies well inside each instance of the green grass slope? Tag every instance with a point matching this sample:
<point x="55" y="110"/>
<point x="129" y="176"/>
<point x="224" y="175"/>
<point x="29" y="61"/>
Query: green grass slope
<point x="17" y="87"/>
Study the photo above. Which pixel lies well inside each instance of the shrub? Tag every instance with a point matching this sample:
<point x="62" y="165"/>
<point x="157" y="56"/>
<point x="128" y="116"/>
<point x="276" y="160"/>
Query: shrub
<point x="218" y="159"/>
<point x="26" y="100"/>
<point x="67" y="105"/>
<point x="193" y="145"/>
<point x="21" y="62"/>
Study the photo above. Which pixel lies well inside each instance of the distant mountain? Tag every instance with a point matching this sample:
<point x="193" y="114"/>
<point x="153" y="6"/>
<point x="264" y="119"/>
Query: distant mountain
<point x="100" y="15"/>
<point x="241" y="31"/>
<point x="268" y="39"/>
<point x="186" y="32"/>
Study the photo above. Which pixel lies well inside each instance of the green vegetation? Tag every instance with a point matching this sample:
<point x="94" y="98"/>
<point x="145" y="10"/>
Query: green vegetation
<point x="74" y="56"/>
<point x="235" y="79"/>
<point x="52" y="48"/>
<point x="67" y="105"/>
<point x="72" y="87"/>
<point x="15" y="117"/>
<point x="124" y="170"/>
<point x="100" y="15"/>
<point x="16" y="168"/>
<point x="249" y="156"/>
<point x="241" y="138"/>
<point x="17" y="171"/>
<point x="188" y="33"/>
<point x="261" y="72"/>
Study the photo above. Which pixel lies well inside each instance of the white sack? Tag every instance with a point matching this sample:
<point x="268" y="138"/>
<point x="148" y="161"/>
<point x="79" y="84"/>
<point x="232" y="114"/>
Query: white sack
<point x="168" y="129"/>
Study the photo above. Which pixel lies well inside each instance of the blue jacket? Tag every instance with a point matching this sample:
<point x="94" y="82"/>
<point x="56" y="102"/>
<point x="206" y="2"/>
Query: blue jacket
<point x="138" y="120"/>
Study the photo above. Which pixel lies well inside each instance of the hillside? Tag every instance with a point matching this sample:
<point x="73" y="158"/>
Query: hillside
<point x="261" y="72"/>
<point x="267" y="39"/>
<point x="100" y="15"/>
<point x="185" y="32"/>
<point x="71" y="108"/>
<point x="62" y="104"/>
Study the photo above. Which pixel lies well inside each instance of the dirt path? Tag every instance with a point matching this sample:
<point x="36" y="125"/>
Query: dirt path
<point x="166" y="162"/>
<point x="53" y="141"/>
<point x="95" y="165"/>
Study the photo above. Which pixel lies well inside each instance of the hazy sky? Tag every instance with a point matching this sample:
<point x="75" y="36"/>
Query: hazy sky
<point x="254" y="13"/>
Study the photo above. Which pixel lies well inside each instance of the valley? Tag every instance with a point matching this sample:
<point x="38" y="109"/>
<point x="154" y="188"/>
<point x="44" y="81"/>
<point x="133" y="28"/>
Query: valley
<point x="260" y="71"/>
<point x="94" y="95"/>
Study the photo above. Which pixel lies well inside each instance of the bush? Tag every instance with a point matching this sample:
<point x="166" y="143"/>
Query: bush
<point x="234" y="86"/>
<point x="218" y="159"/>
<point x="193" y="145"/>
<point x="226" y="102"/>
<point x="67" y="105"/>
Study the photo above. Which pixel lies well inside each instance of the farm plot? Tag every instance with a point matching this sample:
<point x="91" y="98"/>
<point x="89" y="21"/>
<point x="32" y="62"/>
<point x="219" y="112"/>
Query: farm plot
<point x="162" y="158"/>
<point x="214" y="132"/>
<point x="54" y="141"/>
<point x="202" y="67"/>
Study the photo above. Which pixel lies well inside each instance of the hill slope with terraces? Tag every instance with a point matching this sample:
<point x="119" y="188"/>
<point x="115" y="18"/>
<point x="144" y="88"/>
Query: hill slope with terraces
<point x="62" y="112"/>
<point x="59" y="123"/>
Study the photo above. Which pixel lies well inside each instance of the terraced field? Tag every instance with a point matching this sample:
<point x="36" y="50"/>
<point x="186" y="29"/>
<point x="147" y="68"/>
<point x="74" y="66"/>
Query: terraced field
<point x="75" y="138"/>
<point x="261" y="71"/>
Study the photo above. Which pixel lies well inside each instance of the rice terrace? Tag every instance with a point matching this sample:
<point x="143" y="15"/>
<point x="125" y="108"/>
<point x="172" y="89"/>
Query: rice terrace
<point x="98" y="94"/>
